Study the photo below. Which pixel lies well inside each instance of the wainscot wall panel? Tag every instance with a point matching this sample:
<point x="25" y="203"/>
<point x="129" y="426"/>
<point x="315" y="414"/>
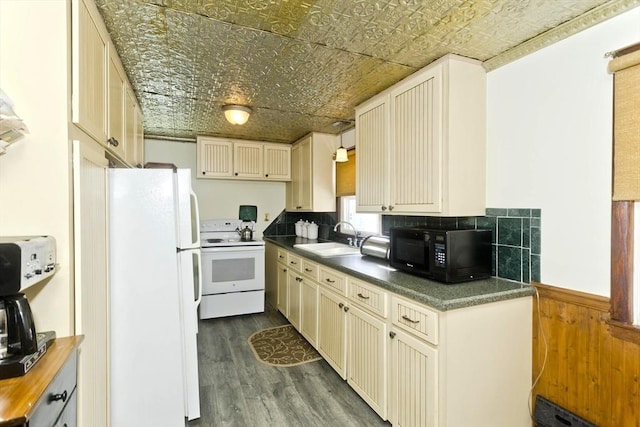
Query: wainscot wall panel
<point x="588" y="371"/>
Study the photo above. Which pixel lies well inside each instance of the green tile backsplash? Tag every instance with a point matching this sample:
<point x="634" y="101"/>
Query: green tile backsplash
<point x="515" y="235"/>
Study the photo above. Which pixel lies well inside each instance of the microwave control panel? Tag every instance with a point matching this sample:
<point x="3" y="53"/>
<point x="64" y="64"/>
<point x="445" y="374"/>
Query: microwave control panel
<point x="439" y="255"/>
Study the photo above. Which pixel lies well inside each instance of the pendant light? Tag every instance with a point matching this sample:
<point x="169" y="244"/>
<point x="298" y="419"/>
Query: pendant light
<point x="236" y="114"/>
<point x="341" y="153"/>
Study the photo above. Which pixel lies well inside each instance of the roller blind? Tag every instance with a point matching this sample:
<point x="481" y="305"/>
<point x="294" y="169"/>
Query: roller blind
<point x="626" y="126"/>
<point x="346" y="175"/>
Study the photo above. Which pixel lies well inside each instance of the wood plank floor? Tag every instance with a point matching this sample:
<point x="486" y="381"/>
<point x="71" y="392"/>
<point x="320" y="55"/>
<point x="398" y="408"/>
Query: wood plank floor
<point x="238" y="390"/>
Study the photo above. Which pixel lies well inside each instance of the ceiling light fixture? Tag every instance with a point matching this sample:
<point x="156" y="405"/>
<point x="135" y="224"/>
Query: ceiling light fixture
<point x="341" y="152"/>
<point x="236" y="114"/>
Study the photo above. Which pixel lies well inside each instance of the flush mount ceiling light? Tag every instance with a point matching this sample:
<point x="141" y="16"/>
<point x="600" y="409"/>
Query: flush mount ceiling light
<point x="236" y="114"/>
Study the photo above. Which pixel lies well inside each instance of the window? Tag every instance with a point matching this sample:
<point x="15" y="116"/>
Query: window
<point x="365" y="223"/>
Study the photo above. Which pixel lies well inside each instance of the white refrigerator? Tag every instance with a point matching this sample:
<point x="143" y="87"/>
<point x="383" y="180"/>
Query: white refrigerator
<point x="155" y="289"/>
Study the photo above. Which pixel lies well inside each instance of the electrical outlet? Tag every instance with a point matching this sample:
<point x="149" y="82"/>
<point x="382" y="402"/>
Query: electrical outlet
<point x="266" y="217"/>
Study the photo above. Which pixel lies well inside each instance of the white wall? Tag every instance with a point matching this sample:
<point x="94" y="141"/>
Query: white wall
<point x="220" y="198"/>
<point x="549" y="132"/>
<point x="35" y="172"/>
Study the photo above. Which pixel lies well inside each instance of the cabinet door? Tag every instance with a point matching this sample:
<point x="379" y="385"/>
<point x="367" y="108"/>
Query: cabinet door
<point x="215" y="158"/>
<point x="367" y="358"/>
<point x="247" y="160"/>
<point x="309" y="308"/>
<point x="283" y="295"/>
<point x="413" y="400"/>
<point x="332" y="330"/>
<point x="372" y="156"/>
<point x="300" y="194"/>
<point x="139" y="138"/>
<point x="130" y="141"/>
<point x="294" y="284"/>
<point x="416" y="154"/>
<point x="277" y="162"/>
<point x="90" y="279"/>
<point x="89" y="74"/>
<point x="116" y="133"/>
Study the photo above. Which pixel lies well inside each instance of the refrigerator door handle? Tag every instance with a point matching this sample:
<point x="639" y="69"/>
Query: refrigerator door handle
<point x="199" y="267"/>
<point x="196" y="209"/>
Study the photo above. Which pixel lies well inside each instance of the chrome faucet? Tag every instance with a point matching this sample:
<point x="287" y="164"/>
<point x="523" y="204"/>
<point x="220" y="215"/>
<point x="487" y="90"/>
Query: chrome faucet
<point x="352" y="242"/>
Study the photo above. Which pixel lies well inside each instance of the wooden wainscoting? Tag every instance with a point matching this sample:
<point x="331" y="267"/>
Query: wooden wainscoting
<point x="588" y="371"/>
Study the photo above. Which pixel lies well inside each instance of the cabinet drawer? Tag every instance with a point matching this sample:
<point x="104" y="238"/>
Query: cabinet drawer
<point x="310" y="269"/>
<point x="367" y="296"/>
<point x="282" y="256"/>
<point x="55" y="397"/>
<point x="294" y="262"/>
<point x="334" y="280"/>
<point x="416" y="319"/>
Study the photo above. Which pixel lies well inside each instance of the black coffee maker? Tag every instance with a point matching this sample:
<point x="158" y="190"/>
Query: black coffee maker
<point x="18" y="336"/>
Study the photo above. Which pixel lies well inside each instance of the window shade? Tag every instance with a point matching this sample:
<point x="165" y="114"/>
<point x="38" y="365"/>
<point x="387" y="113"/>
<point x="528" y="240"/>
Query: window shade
<point x="346" y="175"/>
<point x="626" y="126"/>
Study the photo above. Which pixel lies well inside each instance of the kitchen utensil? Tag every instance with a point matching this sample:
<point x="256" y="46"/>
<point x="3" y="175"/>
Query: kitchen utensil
<point x="248" y="213"/>
<point x="246" y="234"/>
<point x="375" y="246"/>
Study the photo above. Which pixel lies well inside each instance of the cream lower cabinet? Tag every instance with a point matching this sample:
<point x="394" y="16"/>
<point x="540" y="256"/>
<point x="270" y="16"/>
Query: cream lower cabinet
<point x="294" y="288"/>
<point x="367" y="358"/>
<point x="283" y="280"/>
<point x="332" y="328"/>
<point x="413" y="378"/>
<point x="414" y="365"/>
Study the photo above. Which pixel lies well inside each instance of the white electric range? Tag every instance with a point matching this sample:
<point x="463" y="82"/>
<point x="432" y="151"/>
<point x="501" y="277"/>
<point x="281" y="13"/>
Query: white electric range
<point x="232" y="269"/>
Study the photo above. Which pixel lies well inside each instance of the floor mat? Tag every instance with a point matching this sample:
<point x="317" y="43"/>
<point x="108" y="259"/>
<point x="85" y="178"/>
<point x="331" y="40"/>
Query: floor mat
<point x="282" y="346"/>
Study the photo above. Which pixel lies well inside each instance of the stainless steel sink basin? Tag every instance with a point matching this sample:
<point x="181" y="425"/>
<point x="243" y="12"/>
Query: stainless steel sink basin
<point x="328" y="249"/>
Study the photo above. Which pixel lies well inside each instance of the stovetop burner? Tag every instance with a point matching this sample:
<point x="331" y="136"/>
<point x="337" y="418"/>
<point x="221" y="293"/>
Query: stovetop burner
<point x="214" y="240"/>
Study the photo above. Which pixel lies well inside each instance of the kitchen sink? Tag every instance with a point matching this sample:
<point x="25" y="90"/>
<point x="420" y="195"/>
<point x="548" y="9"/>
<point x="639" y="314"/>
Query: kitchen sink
<point x="328" y="249"/>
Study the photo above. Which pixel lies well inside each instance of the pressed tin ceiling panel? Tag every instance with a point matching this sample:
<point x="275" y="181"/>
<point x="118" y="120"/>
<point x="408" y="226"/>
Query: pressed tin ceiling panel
<point x="303" y="65"/>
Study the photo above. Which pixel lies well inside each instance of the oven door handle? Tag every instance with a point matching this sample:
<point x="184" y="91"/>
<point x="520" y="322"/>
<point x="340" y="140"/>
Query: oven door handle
<point x="227" y="249"/>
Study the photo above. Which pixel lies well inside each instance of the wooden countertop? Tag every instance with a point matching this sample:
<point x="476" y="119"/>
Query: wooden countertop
<point x="19" y="395"/>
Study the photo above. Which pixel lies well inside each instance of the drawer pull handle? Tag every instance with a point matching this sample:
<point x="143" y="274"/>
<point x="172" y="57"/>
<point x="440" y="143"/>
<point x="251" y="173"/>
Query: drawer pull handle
<point x="281" y="257"/>
<point x="293" y="262"/>
<point x="298" y="279"/>
<point x="308" y="269"/>
<point x="362" y="296"/>
<point x="59" y="396"/>
<point x="408" y="319"/>
<point x="330" y="281"/>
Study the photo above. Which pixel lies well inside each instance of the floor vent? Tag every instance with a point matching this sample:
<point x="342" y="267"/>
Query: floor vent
<point x="548" y="414"/>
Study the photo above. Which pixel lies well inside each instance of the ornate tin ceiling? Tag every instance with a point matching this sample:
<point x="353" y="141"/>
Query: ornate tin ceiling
<point x="304" y="64"/>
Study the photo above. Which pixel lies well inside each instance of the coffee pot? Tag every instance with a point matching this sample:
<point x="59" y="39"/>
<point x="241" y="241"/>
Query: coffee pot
<point x="17" y="328"/>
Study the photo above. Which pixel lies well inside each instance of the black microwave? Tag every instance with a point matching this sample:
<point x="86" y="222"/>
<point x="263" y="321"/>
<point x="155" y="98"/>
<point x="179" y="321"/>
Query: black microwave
<point x="448" y="256"/>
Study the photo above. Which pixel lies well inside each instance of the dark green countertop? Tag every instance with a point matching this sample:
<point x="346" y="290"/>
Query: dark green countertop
<point x="440" y="296"/>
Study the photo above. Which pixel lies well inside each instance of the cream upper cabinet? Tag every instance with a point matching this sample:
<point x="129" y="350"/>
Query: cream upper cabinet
<point x="421" y="143"/>
<point x="90" y="52"/>
<point x="215" y="158"/>
<point x="277" y="162"/>
<point x="103" y="103"/>
<point x="116" y="96"/>
<point x="239" y="159"/>
<point x="312" y="186"/>
<point x="248" y="160"/>
<point x="133" y="140"/>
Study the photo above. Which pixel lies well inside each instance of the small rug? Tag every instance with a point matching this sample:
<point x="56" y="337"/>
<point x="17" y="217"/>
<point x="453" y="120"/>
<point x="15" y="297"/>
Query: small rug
<point x="282" y="346"/>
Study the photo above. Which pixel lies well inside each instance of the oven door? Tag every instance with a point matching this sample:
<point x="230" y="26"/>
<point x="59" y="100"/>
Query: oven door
<point x="232" y="269"/>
